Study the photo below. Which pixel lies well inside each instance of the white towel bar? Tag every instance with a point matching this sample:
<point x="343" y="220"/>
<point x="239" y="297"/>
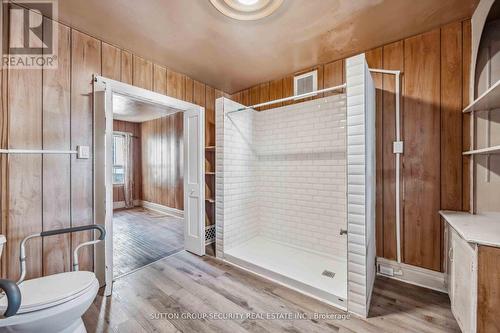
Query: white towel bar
<point x="82" y="152"/>
<point x="36" y="151"/>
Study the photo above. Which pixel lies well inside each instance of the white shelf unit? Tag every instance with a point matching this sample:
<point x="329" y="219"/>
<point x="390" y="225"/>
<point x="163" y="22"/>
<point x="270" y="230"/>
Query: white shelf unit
<point x="488" y="101"/>
<point x="483" y="151"/>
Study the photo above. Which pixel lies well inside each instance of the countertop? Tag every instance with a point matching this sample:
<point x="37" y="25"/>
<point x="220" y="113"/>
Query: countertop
<point x="482" y="229"/>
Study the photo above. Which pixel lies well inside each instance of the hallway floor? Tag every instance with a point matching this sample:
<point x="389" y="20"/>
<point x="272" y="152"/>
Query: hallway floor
<point x="154" y="298"/>
<point x="142" y="236"/>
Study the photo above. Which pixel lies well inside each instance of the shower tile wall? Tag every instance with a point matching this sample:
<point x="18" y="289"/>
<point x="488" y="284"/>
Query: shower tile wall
<point x="281" y="173"/>
<point x="301" y="174"/>
<point x="236" y="202"/>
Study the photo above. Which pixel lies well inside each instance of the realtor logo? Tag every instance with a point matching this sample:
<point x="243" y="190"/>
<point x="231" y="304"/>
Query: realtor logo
<point x="29" y="38"/>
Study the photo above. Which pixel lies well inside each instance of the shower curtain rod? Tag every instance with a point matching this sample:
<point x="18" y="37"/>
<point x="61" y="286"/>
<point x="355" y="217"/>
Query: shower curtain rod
<point x="309" y="94"/>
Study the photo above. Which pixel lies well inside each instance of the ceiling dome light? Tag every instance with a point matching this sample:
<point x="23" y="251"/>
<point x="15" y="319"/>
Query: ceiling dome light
<point x="248" y="2"/>
<point x="247" y="10"/>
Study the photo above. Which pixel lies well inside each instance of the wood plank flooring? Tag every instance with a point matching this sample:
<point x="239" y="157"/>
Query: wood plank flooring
<point x="142" y="236"/>
<point x="149" y="300"/>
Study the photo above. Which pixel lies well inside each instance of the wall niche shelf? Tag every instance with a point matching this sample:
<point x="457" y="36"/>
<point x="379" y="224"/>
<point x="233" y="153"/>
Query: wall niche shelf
<point x="210" y="148"/>
<point x="483" y="151"/>
<point x="490" y="100"/>
<point x="210" y="200"/>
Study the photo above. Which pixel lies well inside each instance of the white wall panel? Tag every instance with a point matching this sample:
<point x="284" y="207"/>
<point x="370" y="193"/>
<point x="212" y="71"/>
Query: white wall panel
<point x="282" y="173"/>
<point x="360" y="184"/>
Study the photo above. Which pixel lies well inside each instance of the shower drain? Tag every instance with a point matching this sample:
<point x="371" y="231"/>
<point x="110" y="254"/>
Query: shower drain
<point x="328" y="273"/>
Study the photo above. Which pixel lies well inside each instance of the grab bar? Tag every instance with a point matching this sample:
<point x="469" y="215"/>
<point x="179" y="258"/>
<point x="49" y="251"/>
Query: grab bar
<point x="102" y="231"/>
<point x="22" y="247"/>
<point x="81" y="152"/>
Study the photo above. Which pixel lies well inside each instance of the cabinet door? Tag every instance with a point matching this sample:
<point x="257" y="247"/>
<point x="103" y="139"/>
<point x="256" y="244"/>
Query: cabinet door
<point x="464" y="277"/>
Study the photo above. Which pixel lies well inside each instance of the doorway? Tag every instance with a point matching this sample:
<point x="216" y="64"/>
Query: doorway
<point x="149" y="172"/>
<point x="148" y="193"/>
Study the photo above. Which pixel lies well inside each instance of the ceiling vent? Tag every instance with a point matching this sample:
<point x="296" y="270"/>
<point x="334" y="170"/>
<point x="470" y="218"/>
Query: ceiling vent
<point x="305" y="83"/>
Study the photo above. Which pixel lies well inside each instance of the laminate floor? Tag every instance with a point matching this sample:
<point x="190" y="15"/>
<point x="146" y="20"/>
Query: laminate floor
<point x="142" y="236"/>
<point x="165" y="296"/>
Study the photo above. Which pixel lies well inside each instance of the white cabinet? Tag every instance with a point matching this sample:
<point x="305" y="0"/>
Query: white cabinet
<point x="461" y="272"/>
<point x="464" y="279"/>
<point x="472" y="269"/>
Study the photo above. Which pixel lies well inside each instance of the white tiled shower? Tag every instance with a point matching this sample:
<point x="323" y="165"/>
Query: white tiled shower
<point x="281" y="203"/>
<point x="301" y="174"/>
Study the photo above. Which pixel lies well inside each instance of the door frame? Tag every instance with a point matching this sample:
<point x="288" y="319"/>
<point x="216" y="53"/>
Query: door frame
<point x="104" y="89"/>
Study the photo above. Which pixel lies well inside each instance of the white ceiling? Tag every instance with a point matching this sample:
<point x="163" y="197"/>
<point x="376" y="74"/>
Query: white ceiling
<point x="128" y="109"/>
<point x="192" y="37"/>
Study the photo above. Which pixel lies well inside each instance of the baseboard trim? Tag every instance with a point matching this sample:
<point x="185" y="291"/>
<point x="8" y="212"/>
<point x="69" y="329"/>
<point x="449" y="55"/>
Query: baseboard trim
<point x="121" y="204"/>
<point x="414" y="275"/>
<point x="162" y="209"/>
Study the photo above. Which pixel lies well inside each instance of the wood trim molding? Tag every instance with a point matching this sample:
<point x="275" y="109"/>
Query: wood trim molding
<point x="121" y="204"/>
<point x="162" y="209"/>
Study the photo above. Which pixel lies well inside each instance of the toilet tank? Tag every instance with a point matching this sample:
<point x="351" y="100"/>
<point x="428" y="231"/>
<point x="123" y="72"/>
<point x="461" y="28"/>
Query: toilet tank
<point x="3" y="240"/>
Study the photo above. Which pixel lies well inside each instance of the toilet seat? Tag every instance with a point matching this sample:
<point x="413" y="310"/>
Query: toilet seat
<point x="45" y="292"/>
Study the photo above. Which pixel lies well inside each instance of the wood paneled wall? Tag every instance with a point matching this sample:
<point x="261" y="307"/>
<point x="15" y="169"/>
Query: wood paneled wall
<point x="52" y="109"/>
<point x="435" y="80"/>
<point x="135" y="129"/>
<point x="162" y="161"/>
<point x="488" y="290"/>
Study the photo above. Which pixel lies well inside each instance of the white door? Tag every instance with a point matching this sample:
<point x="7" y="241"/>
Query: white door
<point x="103" y="188"/>
<point x="194" y="194"/>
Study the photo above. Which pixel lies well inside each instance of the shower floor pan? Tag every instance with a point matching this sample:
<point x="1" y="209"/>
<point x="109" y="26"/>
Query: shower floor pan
<point x="321" y="277"/>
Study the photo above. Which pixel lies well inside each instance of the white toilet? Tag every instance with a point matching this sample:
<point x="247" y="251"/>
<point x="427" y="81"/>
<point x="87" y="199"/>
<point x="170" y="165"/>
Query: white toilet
<point x="52" y="303"/>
